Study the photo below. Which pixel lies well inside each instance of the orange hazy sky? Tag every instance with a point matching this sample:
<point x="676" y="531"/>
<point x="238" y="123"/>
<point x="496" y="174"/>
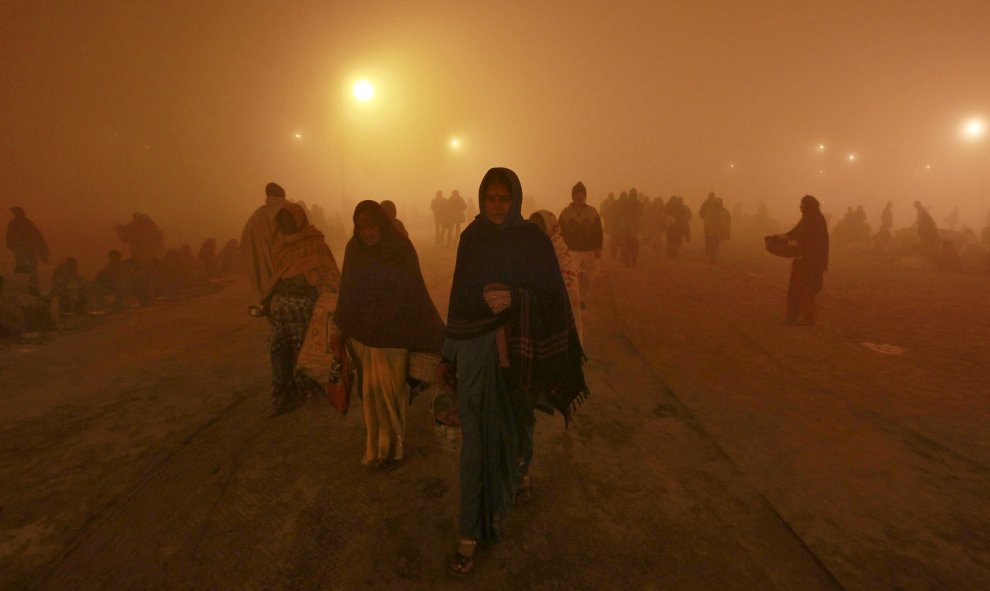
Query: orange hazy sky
<point x="185" y="109"/>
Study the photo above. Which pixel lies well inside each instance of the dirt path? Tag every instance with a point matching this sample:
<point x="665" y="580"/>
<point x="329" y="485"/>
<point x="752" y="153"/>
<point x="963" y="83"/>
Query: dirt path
<point x="149" y="462"/>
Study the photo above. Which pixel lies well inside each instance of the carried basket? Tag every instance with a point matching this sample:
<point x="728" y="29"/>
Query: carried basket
<point x="781" y="248"/>
<point x="423" y="366"/>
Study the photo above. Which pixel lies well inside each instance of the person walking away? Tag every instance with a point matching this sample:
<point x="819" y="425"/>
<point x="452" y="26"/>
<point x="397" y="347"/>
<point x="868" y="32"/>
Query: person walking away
<point x="581" y="230"/>
<point x="810" y="264"/>
<point x="547" y="222"/>
<point x="384" y="312"/>
<point x="438" y="207"/>
<point x="456" y="207"/>
<point x="717" y="220"/>
<point x="512" y="345"/>
<point x="28" y="244"/>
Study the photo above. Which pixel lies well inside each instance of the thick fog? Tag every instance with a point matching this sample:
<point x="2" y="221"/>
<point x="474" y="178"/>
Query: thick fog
<point x="184" y="110"/>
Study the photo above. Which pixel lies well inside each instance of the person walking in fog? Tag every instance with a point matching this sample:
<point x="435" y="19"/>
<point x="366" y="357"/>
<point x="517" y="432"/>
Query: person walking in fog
<point x="303" y="268"/>
<point x="717" y="221"/>
<point x="810" y="264"/>
<point x="438" y="206"/>
<point x="258" y="236"/>
<point x="384" y="312"/>
<point x="455" y="212"/>
<point x="581" y="230"/>
<point x="392" y="212"/>
<point x="28" y="244"/>
<point x="547" y="222"/>
<point x="678" y="226"/>
<point x="512" y="345"/>
<point x="931" y="241"/>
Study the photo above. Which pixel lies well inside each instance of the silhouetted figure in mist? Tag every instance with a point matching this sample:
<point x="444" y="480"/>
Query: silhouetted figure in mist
<point x="608" y="211"/>
<point x="581" y="229"/>
<point x="631" y="214"/>
<point x="931" y="242"/>
<point x="953" y="218"/>
<point x="392" y="213"/>
<point x="69" y="287"/>
<point x="115" y="280"/>
<point x="717" y="221"/>
<point x="208" y="259"/>
<point x="885" y="234"/>
<point x="230" y="257"/>
<point x="678" y="225"/>
<point x="258" y="237"/>
<point x="437" y="206"/>
<point x="810" y="264"/>
<point x="28" y="244"/>
<point x="454" y="212"/>
<point x="654" y="223"/>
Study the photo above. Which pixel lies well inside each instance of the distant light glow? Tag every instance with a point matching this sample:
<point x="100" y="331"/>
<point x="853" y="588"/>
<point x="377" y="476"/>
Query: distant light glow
<point x="732" y="166"/>
<point x="364" y="91"/>
<point x="455" y="143"/>
<point x="928" y="166"/>
<point x="821" y="147"/>
<point x="298" y="136"/>
<point x="974" y="128"/>
<point x="852" y="157"/>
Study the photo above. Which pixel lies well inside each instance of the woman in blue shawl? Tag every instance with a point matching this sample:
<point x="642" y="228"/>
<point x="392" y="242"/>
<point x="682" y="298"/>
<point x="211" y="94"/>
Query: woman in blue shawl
<point x="511" y="346"/>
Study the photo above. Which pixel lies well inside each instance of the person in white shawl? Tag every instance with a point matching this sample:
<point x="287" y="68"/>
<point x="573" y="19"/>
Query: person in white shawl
<point x="547" y="222"/>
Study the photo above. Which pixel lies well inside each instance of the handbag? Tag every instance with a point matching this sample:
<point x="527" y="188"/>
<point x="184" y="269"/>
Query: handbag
<point x="339" y="384"/>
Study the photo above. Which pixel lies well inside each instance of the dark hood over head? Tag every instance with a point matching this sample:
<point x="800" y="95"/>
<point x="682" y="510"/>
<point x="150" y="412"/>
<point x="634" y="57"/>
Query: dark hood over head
<point x="509" y="178"/>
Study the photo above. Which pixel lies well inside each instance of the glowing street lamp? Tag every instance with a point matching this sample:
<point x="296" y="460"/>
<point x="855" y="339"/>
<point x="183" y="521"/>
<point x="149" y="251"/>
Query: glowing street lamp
<point x="363" y="91"/>
<point x="298" y="136"/>
<point x="852" y="158"/>
<point x="455" y="143"/>
<point x="974" y="129"/>
<point x="821" y="147"/>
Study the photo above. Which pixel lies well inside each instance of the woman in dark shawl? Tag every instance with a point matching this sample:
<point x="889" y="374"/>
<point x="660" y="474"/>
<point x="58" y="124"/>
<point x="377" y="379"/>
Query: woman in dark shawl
<point x="386" y="312"/>
<point x="811" y="262"/>
<point x="513" y="345"/>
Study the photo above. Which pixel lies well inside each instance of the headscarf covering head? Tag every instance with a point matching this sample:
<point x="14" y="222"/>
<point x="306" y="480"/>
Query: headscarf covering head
<point x="579" y="189"/>
<point x="507" y="178"/>
<point x="809" y="203"/>
<point x="274" y="190"/>
<point x="17" y="211"/>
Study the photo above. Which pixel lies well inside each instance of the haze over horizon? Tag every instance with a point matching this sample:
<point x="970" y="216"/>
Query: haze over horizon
<point x="185" y="111"/>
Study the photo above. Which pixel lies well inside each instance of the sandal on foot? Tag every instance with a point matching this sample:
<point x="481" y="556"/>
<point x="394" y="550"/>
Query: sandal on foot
<point x="463" y="560"/>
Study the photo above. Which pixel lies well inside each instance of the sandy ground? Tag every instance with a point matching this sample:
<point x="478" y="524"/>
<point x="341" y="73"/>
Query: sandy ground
<point x="720" y="450"/>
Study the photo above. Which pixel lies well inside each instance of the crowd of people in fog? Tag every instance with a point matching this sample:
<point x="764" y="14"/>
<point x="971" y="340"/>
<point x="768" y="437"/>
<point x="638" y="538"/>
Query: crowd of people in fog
<point x="32" y="302"/>
<point x="513" y="339"/>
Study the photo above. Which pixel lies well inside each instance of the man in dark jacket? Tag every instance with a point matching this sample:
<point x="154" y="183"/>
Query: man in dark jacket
<point x="581" y="227"/>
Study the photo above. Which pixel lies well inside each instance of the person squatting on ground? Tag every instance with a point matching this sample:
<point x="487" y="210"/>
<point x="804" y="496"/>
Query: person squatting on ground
<point x="384" y="312"/>
<point x="581" y="229"/>
<point x="513" y="346"/>
<point x="811" y="262"/>
<point x="547" y="222"/>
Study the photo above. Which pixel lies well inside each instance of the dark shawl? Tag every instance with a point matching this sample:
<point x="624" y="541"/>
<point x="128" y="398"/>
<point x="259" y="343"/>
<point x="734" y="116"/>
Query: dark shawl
<point x="811" y="234"/>
<point x="544" y="349"/>
<point x="383" y="300"/>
